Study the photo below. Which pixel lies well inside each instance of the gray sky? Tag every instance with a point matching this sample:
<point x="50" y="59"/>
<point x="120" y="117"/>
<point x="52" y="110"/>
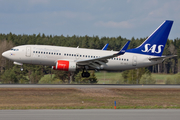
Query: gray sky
<point x="110" y="18"/>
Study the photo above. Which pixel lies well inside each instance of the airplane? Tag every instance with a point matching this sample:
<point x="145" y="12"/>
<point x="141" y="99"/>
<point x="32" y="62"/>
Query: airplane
<point x="70" y="59"/>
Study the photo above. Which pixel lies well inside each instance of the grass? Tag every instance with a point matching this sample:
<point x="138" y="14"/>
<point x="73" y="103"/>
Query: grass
<point x="108" y="77"/>
<point x="161" y="78"/>
<point x="89" y="98"/>
<point x="112" y="77"/>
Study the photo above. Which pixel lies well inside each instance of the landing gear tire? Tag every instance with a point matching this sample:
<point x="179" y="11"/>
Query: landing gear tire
<point x="21" y="69"/>
<point x="85" y="74"/>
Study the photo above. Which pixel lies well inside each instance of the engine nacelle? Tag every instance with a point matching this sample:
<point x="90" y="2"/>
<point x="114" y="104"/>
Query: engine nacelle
<point x="65" y="65"/>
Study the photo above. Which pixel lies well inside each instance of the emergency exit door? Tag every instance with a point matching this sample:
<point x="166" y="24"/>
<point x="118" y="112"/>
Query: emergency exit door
<point x="134" y="61"/>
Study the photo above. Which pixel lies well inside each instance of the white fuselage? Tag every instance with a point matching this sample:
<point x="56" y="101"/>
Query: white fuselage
<point x="48" y="55"/>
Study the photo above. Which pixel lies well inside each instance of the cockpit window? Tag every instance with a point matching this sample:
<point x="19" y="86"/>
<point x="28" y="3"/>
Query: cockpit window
<point x="14" y="49"/>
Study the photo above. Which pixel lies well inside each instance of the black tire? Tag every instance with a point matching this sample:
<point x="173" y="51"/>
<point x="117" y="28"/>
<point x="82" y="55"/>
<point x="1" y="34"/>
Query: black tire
<point x="87" y="74"/>
<point x="83" y="74"/>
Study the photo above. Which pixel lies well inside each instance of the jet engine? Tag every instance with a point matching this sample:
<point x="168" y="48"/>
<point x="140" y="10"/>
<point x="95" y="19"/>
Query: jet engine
<point x="65" y="65"/>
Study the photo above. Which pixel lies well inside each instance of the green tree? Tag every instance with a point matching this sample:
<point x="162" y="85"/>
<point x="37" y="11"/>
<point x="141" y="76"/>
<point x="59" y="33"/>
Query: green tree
<point x="9" y="76"/>
<point x="147" y="79"/>
<point x="62" y="75"/>
<point x="133" y="76"/>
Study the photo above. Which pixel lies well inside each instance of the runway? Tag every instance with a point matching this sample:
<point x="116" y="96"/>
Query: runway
<point x="85" y="86"/>
<point x="91" y="114"/>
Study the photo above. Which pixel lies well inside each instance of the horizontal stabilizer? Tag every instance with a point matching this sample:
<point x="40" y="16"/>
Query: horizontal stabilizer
<point x="162" y="57"/>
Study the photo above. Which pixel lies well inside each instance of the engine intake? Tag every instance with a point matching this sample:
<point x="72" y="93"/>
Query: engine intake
<point x="65" y="65"/>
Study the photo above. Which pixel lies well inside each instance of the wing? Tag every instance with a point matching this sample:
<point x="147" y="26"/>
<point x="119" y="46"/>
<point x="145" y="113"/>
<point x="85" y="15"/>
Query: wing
<point x="97" y="62"/>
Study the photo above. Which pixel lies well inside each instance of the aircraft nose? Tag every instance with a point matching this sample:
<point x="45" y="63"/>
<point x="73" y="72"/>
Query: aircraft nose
<point x="5" y="54"/>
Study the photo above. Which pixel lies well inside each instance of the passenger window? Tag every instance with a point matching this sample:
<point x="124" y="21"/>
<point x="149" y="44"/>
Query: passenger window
<point x="46" y="52"/>
<point x="75" y="55"/>
<point x="39" y="51"/>
<point x="64" y="54"/>
<point x="72" y="54"/>
<point x="49" y="53"/>
<point x="59" y="53"/>
<point x="69" y="54"/>
<point x="80" y="55"/>
<point x="88" y="56"/>
<point x="127" y="59"/>
<point x="124" y="59"/>
<point x="52" y="53"/>
<point x="33" y="51"/>
<point x="117" y="58"/>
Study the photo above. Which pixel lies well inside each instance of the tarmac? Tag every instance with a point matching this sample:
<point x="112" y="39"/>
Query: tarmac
<point x="91" y="114"/>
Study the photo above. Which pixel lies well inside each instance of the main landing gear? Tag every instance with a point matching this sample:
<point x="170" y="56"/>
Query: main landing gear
<point x="85" y="74"/>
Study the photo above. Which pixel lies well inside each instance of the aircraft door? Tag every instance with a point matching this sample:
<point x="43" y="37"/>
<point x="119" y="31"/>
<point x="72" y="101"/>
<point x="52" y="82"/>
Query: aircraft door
<point x="134" y="61"/>
<point x="28" y="51"/>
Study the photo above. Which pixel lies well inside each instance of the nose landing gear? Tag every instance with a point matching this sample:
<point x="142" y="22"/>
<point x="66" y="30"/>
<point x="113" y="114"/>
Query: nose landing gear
<point x="21" y="68"/>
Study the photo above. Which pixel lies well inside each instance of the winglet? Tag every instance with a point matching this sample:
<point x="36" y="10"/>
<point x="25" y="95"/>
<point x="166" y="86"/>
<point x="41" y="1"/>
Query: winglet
<point x="123" y="50"/>
<point x="105" y="47"/>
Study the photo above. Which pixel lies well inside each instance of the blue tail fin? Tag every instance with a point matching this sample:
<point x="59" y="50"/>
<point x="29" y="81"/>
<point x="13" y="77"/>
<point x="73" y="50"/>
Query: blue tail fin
<point x="155" y="43"/>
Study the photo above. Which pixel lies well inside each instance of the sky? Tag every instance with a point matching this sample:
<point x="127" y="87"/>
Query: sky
<point x="103" y="18"/>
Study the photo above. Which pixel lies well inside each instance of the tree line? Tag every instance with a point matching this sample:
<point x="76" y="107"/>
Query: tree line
<point x="33" y="73"/>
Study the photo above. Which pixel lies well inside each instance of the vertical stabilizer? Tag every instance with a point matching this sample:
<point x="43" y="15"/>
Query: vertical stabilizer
<point x="155" y="43"/>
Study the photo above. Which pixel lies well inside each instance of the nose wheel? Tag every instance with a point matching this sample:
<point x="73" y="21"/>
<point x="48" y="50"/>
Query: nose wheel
<point x="21" y="68"/>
